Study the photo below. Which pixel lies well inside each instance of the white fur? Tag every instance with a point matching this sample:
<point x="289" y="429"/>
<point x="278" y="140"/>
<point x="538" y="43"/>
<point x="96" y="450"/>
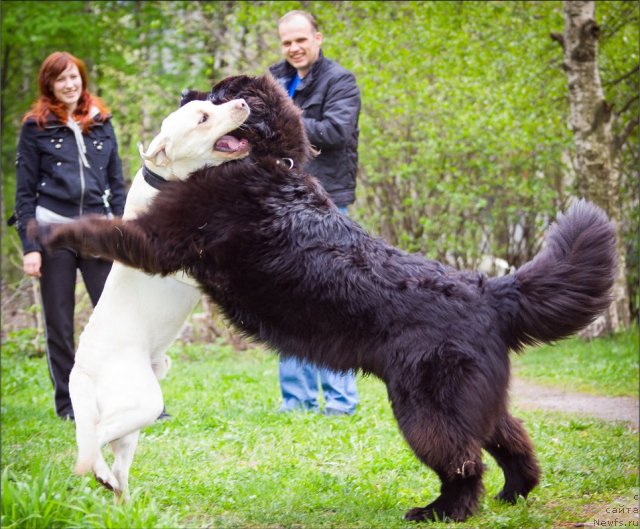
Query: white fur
<point x="121" y="354"/>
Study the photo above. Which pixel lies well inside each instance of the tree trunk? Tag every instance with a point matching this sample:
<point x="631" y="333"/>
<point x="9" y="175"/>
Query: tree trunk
<point x="596" y="155"/>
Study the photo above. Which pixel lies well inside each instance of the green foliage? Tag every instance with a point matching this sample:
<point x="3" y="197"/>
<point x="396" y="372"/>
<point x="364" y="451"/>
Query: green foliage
<point x="462" y="133"/>
<point x="227" y="459"/>
<point x="42" y="501"/>
<point x="606" y="366"/>
<point x="463" y="125"/>
<point x="23" y="342"/>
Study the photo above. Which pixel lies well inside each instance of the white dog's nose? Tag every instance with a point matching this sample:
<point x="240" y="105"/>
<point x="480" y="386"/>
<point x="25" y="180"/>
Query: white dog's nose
<point x="239" y="110"/>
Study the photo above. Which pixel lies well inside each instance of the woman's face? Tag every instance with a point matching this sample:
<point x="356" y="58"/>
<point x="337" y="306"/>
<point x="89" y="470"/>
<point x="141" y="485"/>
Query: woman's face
<point x="67" y="87"/>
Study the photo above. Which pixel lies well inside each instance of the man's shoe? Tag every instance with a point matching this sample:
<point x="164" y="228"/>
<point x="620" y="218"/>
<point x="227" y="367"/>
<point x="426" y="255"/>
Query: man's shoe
<point x="335" y="413"/>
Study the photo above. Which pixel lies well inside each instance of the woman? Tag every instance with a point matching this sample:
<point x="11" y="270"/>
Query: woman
<point x="67" y="165"/>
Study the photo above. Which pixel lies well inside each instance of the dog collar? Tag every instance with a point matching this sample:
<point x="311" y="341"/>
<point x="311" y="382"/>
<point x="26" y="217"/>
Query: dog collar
<point x="153" y="179"/>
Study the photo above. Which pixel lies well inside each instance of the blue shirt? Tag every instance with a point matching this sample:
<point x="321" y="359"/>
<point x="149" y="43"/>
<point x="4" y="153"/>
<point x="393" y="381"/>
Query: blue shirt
<point x="293" y="84"/>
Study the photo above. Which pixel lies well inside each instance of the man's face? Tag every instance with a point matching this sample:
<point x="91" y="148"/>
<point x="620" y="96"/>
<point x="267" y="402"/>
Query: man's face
<point x="299" y="43"/>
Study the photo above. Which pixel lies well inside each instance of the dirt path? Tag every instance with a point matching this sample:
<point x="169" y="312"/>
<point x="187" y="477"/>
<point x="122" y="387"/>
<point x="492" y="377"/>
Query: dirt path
<point x="528" y="395"/>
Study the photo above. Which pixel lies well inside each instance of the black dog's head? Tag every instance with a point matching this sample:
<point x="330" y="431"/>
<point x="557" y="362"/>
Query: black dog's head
<point x="274" y="128"/>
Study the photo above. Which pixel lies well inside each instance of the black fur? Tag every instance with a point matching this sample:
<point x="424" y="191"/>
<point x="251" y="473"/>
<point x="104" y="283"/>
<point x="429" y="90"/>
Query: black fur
<point x="288" y="269"/>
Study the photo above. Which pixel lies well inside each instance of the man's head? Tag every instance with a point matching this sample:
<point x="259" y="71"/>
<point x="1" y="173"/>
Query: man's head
<point x="300" y="40"/>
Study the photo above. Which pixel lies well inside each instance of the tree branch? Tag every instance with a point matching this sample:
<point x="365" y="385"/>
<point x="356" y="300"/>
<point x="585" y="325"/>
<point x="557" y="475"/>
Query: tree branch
<point x="623" y="77"/>
<point x="624" y="17"/>
<point x="559" y="38"/>
<point x="627" y="105"/>
<point x="622" y="137"/>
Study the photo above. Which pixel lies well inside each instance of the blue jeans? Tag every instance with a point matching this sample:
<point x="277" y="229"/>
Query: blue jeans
<point x="299" y="385"/>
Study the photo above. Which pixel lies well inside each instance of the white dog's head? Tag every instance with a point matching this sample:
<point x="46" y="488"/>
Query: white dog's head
<point x="196" y="136"/>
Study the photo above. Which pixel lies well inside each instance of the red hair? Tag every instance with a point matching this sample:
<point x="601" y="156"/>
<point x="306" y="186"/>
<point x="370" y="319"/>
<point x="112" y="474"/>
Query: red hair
<point x="47" y="104"/>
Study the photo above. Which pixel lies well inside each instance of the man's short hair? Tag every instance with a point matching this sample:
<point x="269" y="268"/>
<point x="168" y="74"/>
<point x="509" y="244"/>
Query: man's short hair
<point x="299" y="12"/>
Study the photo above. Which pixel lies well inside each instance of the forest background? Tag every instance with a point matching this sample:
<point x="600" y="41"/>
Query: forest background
<point x="465" y="145"/>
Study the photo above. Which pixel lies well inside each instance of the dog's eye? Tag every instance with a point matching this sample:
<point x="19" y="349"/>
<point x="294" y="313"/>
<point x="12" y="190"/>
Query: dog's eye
<point x="203" y="118"/>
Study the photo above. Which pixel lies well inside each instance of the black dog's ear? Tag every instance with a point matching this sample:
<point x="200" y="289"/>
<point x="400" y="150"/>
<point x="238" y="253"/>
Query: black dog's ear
<point x="228" y="89"/>
<point x="264" y="129"/>
<point x="192" y="95"/>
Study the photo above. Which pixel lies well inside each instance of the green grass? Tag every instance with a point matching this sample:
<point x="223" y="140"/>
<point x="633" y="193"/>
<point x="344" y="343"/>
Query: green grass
<point x="227" y="459"/>
<point x="607" y="366"/>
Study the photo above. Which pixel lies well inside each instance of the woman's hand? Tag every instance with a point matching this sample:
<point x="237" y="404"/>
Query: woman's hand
<point x="31" y="263"/>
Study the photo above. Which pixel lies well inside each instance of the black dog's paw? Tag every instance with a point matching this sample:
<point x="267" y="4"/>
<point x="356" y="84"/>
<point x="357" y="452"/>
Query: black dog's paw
<point x="418" y="514"/>
<point x="50" y="236"/>
<point x="510" y="496"/>
<point x="424" y="514"/>
<point x="438" y="512"/>
<point x="38" y="232"/>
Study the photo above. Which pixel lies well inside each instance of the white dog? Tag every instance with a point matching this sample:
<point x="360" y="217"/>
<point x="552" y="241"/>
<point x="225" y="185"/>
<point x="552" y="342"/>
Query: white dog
<point x="121" y="354"/>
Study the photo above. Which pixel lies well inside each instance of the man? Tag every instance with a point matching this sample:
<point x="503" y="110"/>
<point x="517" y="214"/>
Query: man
<point x="330" y="100"/>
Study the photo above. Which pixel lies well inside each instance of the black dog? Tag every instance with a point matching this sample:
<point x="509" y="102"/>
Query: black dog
<point x="266" y="243"/>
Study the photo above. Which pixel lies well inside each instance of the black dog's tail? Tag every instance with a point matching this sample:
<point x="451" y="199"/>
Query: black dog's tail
<point x="566" y="286"/>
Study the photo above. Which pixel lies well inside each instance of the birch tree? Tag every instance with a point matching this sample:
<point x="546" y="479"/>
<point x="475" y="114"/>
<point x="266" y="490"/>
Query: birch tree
<point x="597" y="149"/>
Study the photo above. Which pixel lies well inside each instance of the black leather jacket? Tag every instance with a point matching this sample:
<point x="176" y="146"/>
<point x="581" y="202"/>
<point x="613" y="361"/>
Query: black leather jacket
<point x="330" y="100"/>
<point x="50" y="173"/>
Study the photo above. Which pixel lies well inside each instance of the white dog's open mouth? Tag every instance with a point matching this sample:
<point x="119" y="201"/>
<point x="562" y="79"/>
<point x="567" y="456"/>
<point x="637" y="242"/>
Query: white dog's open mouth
<point x="229" y="143"/>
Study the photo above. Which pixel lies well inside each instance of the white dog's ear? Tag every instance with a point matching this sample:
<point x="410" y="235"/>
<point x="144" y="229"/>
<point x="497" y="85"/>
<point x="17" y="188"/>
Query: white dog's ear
<point x="157" y="151"/>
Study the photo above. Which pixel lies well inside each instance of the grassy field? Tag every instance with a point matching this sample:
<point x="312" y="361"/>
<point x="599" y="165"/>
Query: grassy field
<point x="607" y="366"/>
<point x="227" y="459"/>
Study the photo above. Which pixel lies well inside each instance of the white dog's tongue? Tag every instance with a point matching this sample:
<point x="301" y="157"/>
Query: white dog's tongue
<point x="229" y="144"/>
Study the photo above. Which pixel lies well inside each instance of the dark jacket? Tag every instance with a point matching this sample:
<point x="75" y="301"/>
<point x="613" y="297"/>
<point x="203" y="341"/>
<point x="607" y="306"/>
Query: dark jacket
<point x="330" y="100"/>
<point x="50" y="173"/>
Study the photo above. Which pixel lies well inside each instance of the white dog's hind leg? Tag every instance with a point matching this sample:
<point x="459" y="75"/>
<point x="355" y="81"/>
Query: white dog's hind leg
<point x="142" y="408"/>
<point x="122" y="430"/>
<point x="128" y="421"/>
<point x="124" y="448"/>
<point x="103" y="474"/>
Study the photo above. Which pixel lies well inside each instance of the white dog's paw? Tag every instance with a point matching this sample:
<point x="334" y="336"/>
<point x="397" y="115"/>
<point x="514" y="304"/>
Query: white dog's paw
<point x="108" y="481"/>
<point x="122" y="496"/>
<point x="103" y="474"/>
